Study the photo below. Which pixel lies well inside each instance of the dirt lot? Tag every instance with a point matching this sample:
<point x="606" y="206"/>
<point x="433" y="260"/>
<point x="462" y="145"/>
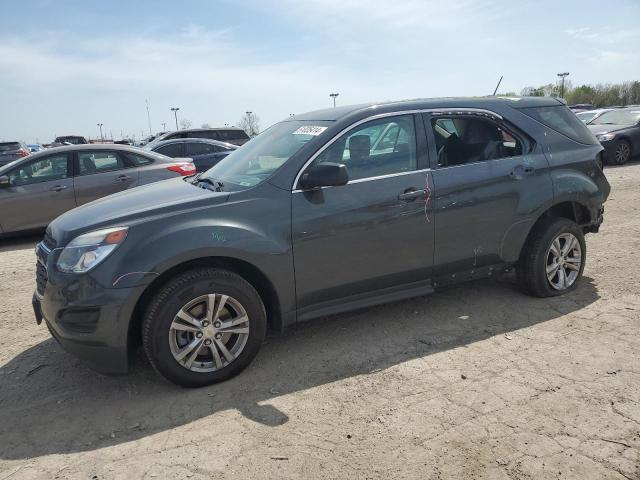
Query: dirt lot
<point x="477" y="381"/>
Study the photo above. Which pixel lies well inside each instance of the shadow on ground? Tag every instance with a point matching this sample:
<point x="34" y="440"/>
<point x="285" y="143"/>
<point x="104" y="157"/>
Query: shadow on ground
<point x="52" y="404"/>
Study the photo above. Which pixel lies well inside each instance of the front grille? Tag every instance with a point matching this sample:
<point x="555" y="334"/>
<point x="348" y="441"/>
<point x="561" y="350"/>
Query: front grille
<point x="41" y="278"/>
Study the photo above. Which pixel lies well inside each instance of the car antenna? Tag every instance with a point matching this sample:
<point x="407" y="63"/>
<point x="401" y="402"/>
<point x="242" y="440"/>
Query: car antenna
<point x="497" y="86"/>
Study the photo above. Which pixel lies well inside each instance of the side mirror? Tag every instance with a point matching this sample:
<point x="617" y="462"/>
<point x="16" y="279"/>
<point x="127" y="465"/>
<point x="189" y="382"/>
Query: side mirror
<point x="325" y="175"/>
<point x="4" y="181"/>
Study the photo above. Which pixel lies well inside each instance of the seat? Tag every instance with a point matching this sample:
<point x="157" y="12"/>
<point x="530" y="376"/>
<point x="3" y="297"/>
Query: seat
<point x="88" y="166"/>
<point x="359" y="149"/>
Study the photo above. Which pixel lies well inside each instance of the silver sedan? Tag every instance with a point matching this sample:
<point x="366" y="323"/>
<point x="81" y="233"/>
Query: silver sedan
<point x="38" y="188"/>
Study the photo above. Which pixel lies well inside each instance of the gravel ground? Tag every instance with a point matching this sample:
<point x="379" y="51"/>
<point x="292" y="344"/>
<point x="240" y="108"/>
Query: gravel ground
<point x="478" y="381"/>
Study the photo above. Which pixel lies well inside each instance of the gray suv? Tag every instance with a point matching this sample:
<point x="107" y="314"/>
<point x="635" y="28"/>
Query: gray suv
<point x="323" y="213"/>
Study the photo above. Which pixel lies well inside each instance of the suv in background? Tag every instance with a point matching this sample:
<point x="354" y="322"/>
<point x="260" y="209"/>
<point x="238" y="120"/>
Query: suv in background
<point x="10" y="151"/>
<point x="234" y="135"/>
<point x="322" y="213"/>
<point x="70" y="139"/>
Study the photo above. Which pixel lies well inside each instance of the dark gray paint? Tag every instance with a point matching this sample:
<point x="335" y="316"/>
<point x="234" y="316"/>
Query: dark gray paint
<point x="335" y="248"/>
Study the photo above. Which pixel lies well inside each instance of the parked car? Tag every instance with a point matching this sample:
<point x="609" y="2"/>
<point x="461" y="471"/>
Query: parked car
<point x="204" y="153"/>
<point x="233" y="135"/>
<point x="35" y="147"/>
<point x="619" y="133"/>
<point x="70" y="140"/>
<point x="590" y="115"/>
<point x="9" y="151"/>
<point x="38" y="188"/>
<point x="322" y="213"/>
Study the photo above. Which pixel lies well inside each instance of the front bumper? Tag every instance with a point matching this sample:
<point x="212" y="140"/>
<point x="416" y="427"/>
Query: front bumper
<point x="608" y="154"/>
<point x="89" y="321"/>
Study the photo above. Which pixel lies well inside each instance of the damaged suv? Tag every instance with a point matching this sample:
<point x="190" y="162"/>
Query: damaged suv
<point x="323" y="213"/>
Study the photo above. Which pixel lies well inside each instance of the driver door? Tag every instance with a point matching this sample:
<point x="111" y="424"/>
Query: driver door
<point x="39" y="191"/>
<point x="372" y="237"/>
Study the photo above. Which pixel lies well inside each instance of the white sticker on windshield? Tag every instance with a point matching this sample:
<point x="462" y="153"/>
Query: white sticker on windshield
<point x="310" y="130"/>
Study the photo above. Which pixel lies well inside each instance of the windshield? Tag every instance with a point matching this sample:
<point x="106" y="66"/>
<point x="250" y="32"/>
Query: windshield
<point x="586" y="116"/>
<point x="256" y="160"/>
<point x="618" y="117"/>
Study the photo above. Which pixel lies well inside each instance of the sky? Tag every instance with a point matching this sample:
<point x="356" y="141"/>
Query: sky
<point x="66" y="66"/>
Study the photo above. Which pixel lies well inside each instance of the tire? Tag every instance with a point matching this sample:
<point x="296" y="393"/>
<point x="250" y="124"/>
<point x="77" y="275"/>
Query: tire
<point x="166" y="336"/>
<point x="621" y="152"/>
<point x="538" y="257"/>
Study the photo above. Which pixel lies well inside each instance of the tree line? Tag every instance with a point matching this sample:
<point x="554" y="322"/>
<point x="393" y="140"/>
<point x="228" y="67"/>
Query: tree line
<point x="599" y="95"/>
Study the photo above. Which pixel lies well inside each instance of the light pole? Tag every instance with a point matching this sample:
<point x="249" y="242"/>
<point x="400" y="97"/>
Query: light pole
<point x="175" y="113"/>
<point x="250" y="121"/>
<point x="101" y="137"/>
<point x="334" y="95"/>
<point x="562" y="75"/>
<point x="148" y="117"/>
<point x="164" y="126"/>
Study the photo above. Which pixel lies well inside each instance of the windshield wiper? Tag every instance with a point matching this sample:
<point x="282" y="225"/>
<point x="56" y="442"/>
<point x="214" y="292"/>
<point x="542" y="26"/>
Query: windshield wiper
<point x="216" y="184"/>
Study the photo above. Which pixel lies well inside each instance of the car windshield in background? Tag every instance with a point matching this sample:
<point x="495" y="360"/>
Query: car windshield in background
<point x="257" y="160"/>
<point x="586" y="117"/>
<point x="9" y="146"/>
<point x="618" y="117"/>
<point x="562" y="120"/>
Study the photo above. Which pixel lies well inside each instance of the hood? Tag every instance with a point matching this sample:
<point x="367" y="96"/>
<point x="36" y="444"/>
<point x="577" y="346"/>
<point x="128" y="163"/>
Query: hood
<point x="600" y="129"/>
<point x="134" y="206"/>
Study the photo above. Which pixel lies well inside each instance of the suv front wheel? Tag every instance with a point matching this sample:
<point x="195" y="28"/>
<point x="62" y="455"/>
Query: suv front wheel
<point x="553" y="258"/>
<point x="203" y="326"/>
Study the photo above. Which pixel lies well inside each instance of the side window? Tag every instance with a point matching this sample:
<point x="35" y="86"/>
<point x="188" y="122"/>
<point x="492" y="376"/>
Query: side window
<point x="98" y="162"/>
<point x="197" y="148"/>
<point x="172" y="150"/>
<point x="53" y="167"/>
<point x="379" y="147"/>
<point x="138" y="160"/>
<point x="466" y="139"/>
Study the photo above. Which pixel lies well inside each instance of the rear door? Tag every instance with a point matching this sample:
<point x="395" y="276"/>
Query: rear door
<point x="100" y="173"/>
<point x="39" y="191"/>
<point x="489" y="182"/>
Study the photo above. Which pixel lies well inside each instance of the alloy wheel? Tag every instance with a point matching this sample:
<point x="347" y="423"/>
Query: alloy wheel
<point x="564" y="260"/>
<point x="209" y="332"/>
<point x="622" y="153"/>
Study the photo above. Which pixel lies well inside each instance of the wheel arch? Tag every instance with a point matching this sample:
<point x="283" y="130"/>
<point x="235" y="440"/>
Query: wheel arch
<point x="572" y="210"/>
<point x="517" y="236"/>
<point x="252" y="274"/>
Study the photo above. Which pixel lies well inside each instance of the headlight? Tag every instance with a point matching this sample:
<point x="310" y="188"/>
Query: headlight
<point x="606" y="137"/>
<point x="88" y="250"/>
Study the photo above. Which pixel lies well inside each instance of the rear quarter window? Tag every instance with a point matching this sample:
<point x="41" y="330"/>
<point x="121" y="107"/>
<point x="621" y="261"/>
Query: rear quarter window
<point x="562" y="120"/>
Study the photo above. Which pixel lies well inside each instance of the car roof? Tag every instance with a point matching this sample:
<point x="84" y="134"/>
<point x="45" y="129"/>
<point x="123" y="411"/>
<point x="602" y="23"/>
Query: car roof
<point x="194" y="140"/>
<point x="207" y="129"/>
<point x="337" y="113"/>
<point x="89" y="146"/>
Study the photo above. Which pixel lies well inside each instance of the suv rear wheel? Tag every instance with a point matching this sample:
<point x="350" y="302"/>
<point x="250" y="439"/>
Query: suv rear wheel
<point x="203" y="327"/>
<point x="553" y="258"/>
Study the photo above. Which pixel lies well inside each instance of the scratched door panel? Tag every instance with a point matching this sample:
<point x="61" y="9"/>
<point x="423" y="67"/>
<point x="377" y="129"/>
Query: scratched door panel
<point x="477" y="205"/>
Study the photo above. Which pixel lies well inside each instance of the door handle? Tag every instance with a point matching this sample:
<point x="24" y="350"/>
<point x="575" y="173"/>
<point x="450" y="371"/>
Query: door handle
<point x="122" y="178"/>
<point x="410" y="195"/>
<point x="58" y="188"/>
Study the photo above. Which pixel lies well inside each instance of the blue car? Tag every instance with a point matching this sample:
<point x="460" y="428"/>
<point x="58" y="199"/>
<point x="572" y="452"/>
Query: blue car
<point x="35" y="147"/>
<point x="204" y="152"/>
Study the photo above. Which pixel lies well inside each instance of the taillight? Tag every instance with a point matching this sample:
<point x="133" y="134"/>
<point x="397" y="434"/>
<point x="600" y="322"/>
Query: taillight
<point x="23" y="153"/>
<point x="183" y="169"/>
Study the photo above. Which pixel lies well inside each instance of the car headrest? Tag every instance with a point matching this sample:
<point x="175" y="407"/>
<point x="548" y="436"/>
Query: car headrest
<point x="359" y="147"/>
